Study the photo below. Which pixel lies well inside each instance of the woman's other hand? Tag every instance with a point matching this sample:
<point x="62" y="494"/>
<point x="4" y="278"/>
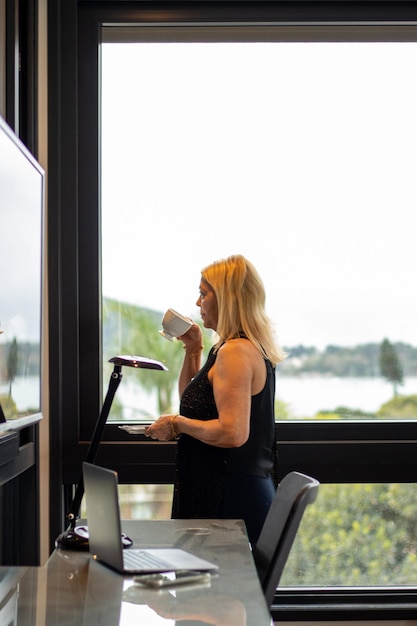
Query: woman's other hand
<point x="163" y="429"/>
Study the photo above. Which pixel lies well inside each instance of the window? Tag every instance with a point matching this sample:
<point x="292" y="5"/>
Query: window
<point x="299" y="155"/>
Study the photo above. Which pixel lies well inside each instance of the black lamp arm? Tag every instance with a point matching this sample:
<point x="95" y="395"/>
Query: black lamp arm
<point x="115" y="380"/>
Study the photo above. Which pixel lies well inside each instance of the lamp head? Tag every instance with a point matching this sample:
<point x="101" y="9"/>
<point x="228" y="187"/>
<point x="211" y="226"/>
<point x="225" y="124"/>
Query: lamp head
<point x="137" y="361"/>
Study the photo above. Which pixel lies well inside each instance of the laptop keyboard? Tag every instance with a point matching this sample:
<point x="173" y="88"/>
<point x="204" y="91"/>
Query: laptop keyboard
<point x="140" y="559"/>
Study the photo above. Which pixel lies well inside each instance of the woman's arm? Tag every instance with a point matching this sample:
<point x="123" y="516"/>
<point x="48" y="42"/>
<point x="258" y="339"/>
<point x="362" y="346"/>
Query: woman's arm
<point x="193" y="349"/>
<point x="238" y="367"/>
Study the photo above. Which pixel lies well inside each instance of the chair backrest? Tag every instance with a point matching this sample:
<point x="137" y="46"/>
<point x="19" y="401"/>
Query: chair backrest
<point x="294" y="493"/>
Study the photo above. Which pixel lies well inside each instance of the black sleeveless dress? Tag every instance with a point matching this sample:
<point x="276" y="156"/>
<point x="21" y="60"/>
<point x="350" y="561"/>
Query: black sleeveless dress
<point x="226" y="483"/>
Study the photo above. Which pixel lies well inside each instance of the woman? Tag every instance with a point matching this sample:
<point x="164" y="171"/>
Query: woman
<point x="226" y="449"/>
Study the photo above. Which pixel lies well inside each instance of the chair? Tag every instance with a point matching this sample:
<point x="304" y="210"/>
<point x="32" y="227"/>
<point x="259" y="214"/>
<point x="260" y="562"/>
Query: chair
<point x="270" y="553"/>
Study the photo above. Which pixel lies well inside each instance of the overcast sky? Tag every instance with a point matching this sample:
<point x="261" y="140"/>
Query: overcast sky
<point x="300" y="156"/>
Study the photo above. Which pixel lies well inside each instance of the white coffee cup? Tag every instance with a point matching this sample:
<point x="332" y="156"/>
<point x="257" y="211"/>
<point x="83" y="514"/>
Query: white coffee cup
<point x="174" y="325"/>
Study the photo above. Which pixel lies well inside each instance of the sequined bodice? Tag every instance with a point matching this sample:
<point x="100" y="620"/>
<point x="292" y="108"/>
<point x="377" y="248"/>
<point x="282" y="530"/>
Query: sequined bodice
<point x="197" y="401"/>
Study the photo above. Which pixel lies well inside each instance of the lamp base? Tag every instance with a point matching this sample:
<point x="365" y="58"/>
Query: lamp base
<point x="77" y="539"/>
<point x="73" y="539"/>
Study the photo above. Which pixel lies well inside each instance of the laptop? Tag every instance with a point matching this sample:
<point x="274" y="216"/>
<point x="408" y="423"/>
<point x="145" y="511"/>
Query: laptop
<point x="104" y="531"/>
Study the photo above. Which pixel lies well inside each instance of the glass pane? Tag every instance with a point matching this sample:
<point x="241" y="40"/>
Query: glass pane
<point x="145" y="501"/>
<point x="300" y="156"/>
<point x="356" y="535"/>
<point x="142" y="502"/>
<point x="22" y="200"/>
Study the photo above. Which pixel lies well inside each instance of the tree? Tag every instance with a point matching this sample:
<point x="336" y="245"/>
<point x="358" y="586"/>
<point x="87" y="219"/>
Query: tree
<point x="390" y="365"/>
<point x="401" y="407"/>
<point x="12" y="363"/>
<point x="370" y="528"/>
<point x="129" y="329"/>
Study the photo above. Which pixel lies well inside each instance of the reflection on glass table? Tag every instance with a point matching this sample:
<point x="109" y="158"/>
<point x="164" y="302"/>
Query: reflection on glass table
<point x="182" y="604"/>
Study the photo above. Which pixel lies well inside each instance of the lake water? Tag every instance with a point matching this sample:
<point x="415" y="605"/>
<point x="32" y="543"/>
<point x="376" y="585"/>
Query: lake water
<point x="25" y="392"/>
<point x="305" y="396"/>
<point x="308" y="395"/>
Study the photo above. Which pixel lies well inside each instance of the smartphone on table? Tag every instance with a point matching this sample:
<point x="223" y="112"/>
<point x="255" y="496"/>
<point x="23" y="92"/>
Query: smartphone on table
<point x="171" y="579"/>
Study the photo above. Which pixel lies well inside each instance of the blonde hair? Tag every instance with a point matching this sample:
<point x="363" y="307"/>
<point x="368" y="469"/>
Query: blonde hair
<point x="240" y="297"/>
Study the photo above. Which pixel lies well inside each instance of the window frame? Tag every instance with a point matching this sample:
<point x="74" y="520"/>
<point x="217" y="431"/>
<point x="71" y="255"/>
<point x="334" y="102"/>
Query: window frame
<point x="345" y="452"/>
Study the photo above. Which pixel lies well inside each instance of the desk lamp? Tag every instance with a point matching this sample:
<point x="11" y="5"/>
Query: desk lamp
<point x="77" y="538"/>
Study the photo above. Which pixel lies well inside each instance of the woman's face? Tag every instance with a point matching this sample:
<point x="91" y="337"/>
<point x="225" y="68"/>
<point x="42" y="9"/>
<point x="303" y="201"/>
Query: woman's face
<point x="207" y="302"/>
